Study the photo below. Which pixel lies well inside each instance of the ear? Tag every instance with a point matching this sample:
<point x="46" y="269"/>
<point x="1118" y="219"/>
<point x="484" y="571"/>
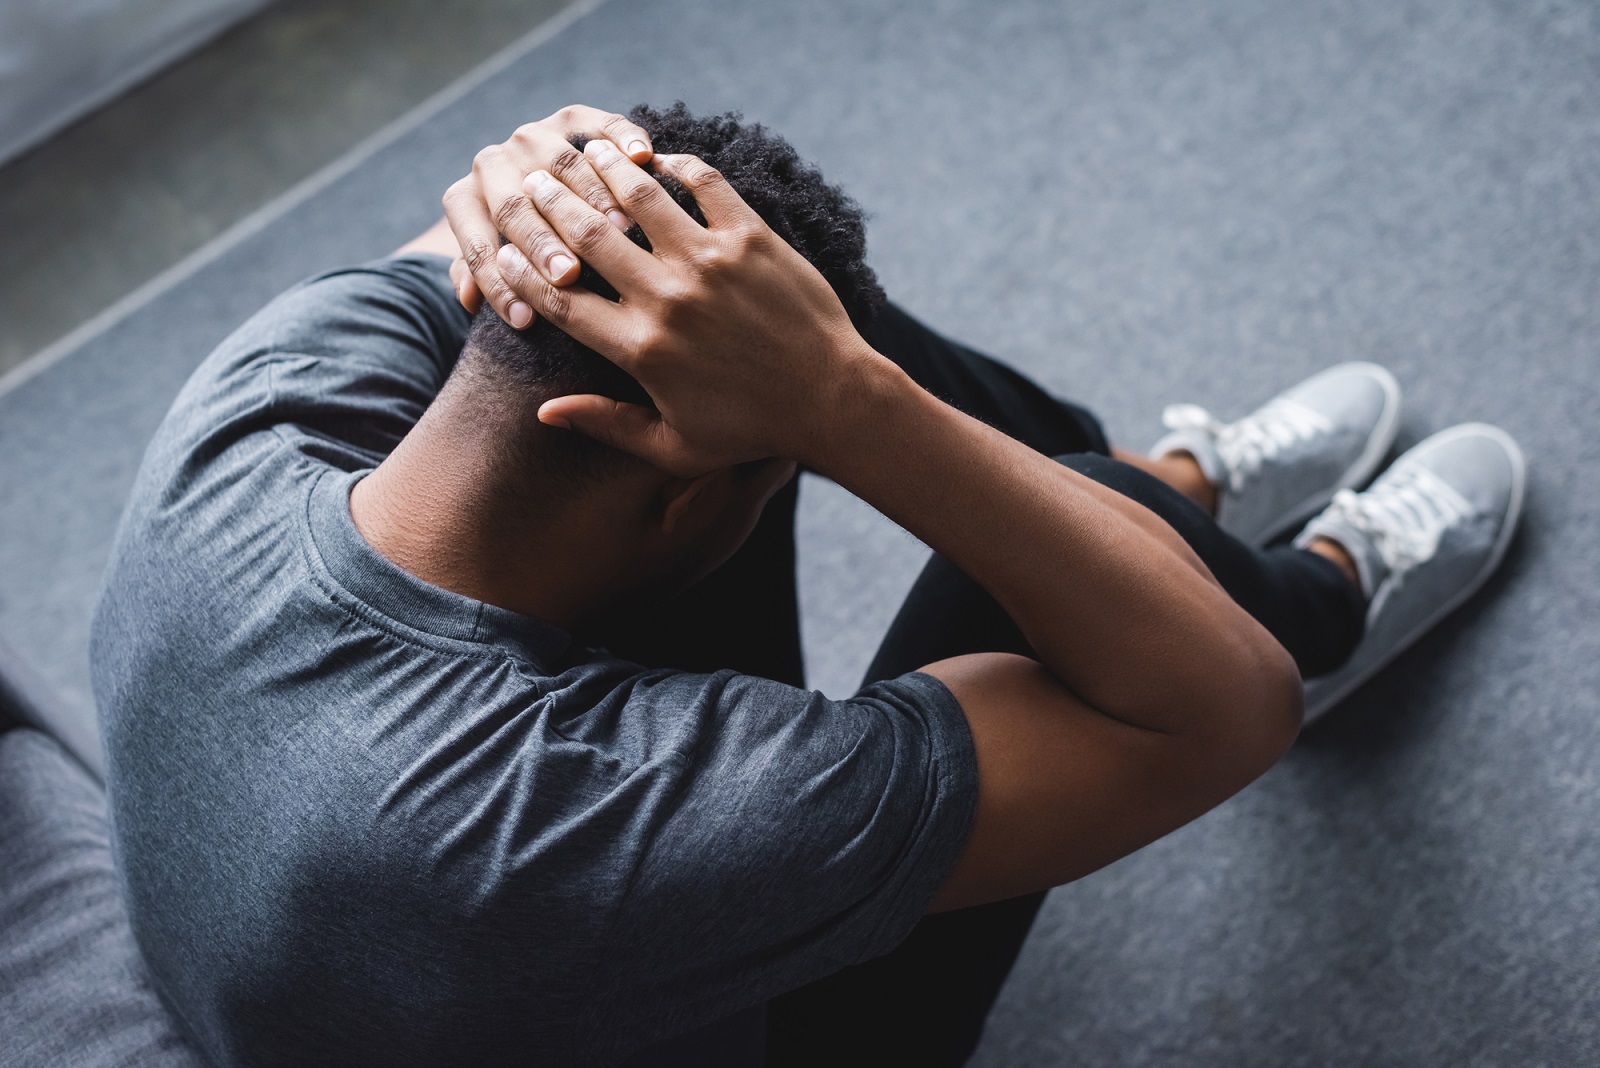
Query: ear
<point x="680" y="496"/>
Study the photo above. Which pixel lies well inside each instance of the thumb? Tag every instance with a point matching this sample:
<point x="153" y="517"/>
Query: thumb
<point x="630" y="428"/>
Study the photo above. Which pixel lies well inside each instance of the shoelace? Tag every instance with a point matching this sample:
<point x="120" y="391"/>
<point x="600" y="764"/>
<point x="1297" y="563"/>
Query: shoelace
<point x="1404" y="515"/>
<point x="1247" y="444"/>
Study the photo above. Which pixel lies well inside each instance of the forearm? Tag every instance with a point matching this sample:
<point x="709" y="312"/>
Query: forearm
<point x="1116" y="605"/>
<point x="437" y="239"/>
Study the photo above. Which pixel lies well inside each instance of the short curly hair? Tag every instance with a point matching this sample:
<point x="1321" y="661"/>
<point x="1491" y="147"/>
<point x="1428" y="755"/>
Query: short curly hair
<point x="815" y="218"/>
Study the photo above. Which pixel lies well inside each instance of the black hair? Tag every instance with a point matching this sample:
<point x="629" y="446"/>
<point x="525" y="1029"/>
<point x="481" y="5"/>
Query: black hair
<point x="815" y="218"/>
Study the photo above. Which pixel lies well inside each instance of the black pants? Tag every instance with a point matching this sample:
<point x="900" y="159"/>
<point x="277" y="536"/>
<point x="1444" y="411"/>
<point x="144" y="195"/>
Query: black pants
<point x="925" y="1003"/>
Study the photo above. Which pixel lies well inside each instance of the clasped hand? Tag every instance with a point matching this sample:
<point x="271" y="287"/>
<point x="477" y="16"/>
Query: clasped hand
<point x="739" y="341"/>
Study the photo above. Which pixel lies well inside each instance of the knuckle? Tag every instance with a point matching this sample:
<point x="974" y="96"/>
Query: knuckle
<point x="702" y="175"/>
<point x="637" y="191"/>
<point x="523" y="278"/>
<point x="554" y="304"/>
<point x="587" y="230"/>
<point x="478" y="253"/>
<point x="634" y="339"/>
<point x="645" y="351"/>
<point x="511" y="213"/>
<point x="747" y="233"/>
<point x="487" y="157"/>
<point x="674" y="293"/>
<point x="706" y="259"/>
<point x="569" y="166"/>
<point x="545" y="246"/>
<point x="643" y="338"/>
<point x="569" y="115"/>
<point x="460" y="189"/>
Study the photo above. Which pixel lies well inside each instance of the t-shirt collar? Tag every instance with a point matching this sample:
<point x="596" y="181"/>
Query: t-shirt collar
<point x="389" y="590"/>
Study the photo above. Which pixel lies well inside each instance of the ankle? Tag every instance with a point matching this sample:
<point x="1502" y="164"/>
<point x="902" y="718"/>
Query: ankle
<point x="1329" y="549"/>
<point x="1186" y="476"/>
<point x="1179" y="470"/>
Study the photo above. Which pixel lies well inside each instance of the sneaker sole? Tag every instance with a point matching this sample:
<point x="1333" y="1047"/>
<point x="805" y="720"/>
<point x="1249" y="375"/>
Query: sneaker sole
<point x="1363" y="468"/>
<point x="1508" y="530"/>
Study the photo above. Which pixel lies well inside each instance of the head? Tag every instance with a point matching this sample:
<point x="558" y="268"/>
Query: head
<point x="688" y="526"/>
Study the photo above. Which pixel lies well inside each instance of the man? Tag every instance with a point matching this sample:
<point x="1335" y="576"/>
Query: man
<point x="450" y="674"/>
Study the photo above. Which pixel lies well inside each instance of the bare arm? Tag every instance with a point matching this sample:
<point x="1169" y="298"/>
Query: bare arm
<point x="1155" y="696"/>
<point x="438" y="239"/>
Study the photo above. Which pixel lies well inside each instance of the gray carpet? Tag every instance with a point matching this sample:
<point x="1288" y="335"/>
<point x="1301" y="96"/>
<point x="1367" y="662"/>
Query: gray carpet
<point x="1138" y="203"/>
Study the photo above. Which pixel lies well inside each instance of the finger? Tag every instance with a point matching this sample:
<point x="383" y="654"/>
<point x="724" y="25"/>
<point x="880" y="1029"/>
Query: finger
<point x="642" y="197"/>
<point x="479" y="239"/>
<point x="603" y="325"/>
<point x="631" y="428"/>
<point x="515" y="218"/>
<point x="719" y="202"/>
<point x="540" y="147"/>
<point x="630" y="138"/>
<point x="466" y="288"/>
<point x="588" y="232"/>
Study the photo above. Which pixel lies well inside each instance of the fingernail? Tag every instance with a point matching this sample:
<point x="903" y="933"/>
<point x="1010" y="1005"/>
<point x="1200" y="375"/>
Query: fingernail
<point x="636" y="147"/>
<point x="521" y="315"/>
<point x="511" y="259"/>
<point x="619" y="220"/>
<point x="540" y="179"/>
<point x="559" y="266"/>
<point x="555" y="421"/>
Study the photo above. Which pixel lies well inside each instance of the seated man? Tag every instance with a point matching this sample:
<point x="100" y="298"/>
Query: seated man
<point x="449" y="666"/>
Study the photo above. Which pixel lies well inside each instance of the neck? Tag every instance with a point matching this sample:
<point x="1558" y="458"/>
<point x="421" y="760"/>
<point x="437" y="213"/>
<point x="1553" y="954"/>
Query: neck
<point x="450" y="508"/>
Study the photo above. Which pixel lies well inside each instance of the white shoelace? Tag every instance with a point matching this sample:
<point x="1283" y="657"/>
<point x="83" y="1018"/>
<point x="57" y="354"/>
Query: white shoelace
<point x="1252" y="441"/>
<point x="1404" y="516"/>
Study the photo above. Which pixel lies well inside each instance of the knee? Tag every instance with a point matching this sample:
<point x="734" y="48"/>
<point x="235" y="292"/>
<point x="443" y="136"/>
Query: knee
<point x="1093" y="465"/>
<point x="1179" y="512"/>
<point x="1113" y="474"/>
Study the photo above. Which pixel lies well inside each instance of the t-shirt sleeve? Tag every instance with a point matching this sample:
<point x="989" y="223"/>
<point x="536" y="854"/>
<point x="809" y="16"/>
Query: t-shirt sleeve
<point x="350" y="358"/>
<point x="795" y="835"/>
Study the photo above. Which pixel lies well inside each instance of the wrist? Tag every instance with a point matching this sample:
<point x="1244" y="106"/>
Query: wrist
<point x="863" y="395"/>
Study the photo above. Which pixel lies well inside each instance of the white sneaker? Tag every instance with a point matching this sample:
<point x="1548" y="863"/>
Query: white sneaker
<point x="1427" y="534"/>
<point x="1279" y="465"/>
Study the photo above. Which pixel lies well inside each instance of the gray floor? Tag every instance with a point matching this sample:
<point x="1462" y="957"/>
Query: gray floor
<point x="118" y="197"/>
<point x="1138" y="204"/>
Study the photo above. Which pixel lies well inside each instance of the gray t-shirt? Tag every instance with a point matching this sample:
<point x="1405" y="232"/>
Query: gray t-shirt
<point x="361" y="819"/>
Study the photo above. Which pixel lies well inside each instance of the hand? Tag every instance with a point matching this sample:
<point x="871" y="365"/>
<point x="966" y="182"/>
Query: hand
<point x="740" y="342"/>
<point x="490" y="202"/>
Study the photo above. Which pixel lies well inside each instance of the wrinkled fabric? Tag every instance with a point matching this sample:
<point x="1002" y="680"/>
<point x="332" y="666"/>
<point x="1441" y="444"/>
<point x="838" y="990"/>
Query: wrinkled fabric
<point x="363" y="819"/>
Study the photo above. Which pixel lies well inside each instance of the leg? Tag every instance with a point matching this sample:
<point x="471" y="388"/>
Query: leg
<point x="985" y="389"/>
<point x="1182" y="472"/>
<point x="925" y="1003"/>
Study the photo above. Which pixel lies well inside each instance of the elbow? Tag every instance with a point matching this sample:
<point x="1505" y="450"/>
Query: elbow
<point x="1283" y="701"/>
<point x="1270" y="707"/>
<point x="1259" y="707"/>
